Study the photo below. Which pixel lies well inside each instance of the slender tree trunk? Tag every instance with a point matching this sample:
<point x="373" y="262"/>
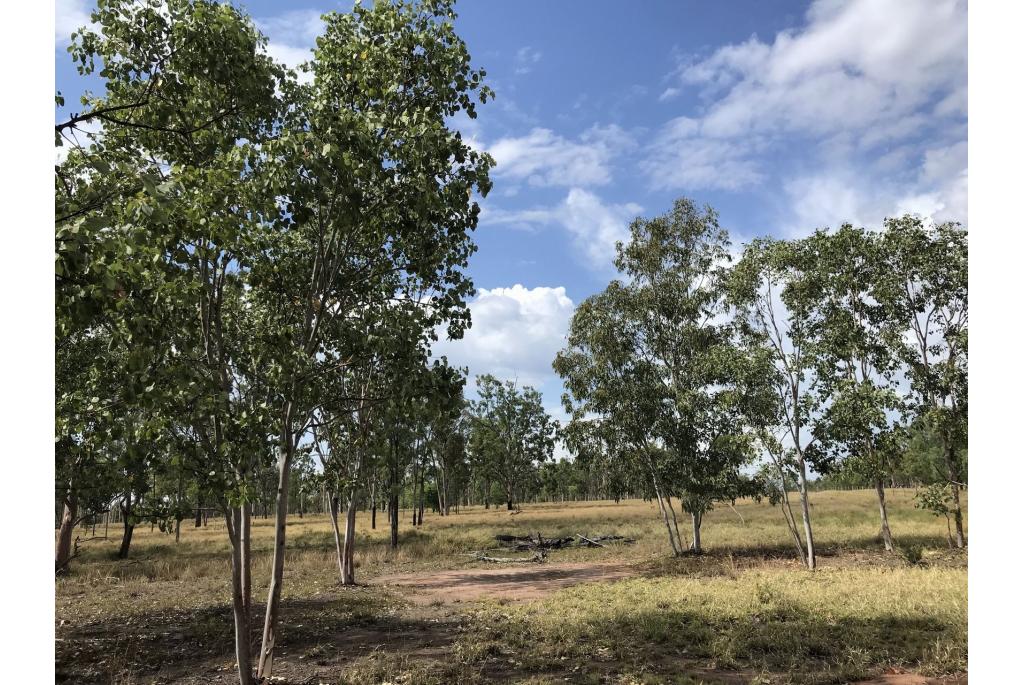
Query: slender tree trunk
<point x="129" y="528"/>
<point x="954" y="487"/>
<point x="680" y="542"/>
<point x="246" y="559"/>
<point x="697" y="520"/>
<point x="373" y="515"/>
<point x="806" y="512"/>
<point x="243" y="649"/>
<point x="62" y="556"/>
<point x="672" y="540"/>
<point x="886" y="533"/>
<point x="423" y="487"/>
<point x="787" y="511"/>
<point x="393" y="512"/>
<point x="337" y="538"/>
<point x="284" y="461"/>
<point x="348" y="571"/>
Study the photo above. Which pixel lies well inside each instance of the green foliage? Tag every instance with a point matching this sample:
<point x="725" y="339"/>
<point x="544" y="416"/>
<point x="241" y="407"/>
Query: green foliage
<point x="654" y="377"/>
<point x="510" y="433"/>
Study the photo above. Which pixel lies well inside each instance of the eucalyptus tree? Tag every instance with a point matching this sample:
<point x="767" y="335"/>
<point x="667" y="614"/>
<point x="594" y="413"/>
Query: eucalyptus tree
<point x="774" y="310"/>
<point x="613" y="395"/>
<point x="366" y="214"/>
<point x="660" y="346"/>
<point x="856" y="366"/>
<point x="444" y="425"/>
<point x="451" y="428"/>
<point x="925" y="292"/>
<point x="511" y="431"/>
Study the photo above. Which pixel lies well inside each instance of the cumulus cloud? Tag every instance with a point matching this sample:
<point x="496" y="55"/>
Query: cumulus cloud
<point x="544" y="158"/>
<point x="868" y="63"/>
<point x="516" y="333"/>
<point x="861" y="80"/>
<point x="595" y="226"/>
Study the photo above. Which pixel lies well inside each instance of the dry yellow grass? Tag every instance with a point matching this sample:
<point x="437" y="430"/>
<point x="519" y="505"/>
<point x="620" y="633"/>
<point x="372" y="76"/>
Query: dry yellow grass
<point x="746" y="605"/>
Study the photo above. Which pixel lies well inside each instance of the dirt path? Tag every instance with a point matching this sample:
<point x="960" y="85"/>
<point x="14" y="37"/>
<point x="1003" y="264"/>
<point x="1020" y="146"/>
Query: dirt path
<point x="514" y="583"/>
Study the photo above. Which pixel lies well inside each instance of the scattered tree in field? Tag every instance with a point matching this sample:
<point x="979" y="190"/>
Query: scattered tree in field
<point x="856" y="367"/>
<point x="365" y="217"/>
<point x="511" y="432"/>
<point x="660" y="346"/>
<point x="774" y="308"/>
<point x="925" y="292"/>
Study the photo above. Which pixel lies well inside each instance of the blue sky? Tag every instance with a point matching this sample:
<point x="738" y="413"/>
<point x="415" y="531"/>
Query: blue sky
<point x="784" y="116"/>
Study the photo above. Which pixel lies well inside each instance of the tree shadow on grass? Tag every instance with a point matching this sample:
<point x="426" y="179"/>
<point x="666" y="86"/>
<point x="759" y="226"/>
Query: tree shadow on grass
<point x="776" y="640"/>
<point x="183" y="646"/>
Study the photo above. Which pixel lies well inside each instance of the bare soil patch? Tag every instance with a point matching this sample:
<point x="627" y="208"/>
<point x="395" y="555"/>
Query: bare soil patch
<point x="517" y="584"/>
<point x="913" y="679"/>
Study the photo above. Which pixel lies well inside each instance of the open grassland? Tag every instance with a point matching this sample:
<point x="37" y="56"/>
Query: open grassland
<point x="744" y="612"/>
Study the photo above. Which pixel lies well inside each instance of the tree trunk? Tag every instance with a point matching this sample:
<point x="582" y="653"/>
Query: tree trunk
<point x="675" y="525"/>
<point x="373" y="515"/>
<point x="129" y="527"/>
<point x="806" y="512"/>
<point x="239" y="608"/>
<point x="348" y="572"/>
<point x="284" y="462"/>
<point x="126" y="539"/>
<point x="337" y="538"/>
<point x="423" y="484"/>
<point x="886" y="533"/>
<point x="697" y="520"/>
<point x="510" y="505"/>
<point x="62" y="555"/>
<point x="393" y="515"/>
<point x="787" y="511"/>
<point x="954" y="486"/>
<point x="668" y="524"/>
<point x="246" y="558"/>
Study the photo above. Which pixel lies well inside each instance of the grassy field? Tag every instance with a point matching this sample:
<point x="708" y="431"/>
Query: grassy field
<point x="744" y="612"/>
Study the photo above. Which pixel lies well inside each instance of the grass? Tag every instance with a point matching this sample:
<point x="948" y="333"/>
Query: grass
<point x="745" y="610"/>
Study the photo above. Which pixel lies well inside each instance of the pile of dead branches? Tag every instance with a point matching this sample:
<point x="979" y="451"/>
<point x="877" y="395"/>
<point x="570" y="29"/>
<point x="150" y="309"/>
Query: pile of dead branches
<point x="539" y="545"/>
<point x="532" y="543"/>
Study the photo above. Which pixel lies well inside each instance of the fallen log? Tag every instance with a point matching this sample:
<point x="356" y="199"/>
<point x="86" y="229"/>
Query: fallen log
<point x="590" y="543"/>
<point x="537" y="558"/>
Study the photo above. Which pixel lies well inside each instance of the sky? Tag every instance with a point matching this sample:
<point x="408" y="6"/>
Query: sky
<point x="784" y="116"/>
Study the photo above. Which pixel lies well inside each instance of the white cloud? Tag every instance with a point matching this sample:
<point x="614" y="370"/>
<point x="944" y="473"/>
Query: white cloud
<point x="526" y="58"/>
<point x="597" y="226"/>
<point x="544" y="158"/>
<point x="594" y="226"/>
<point x="668" y="94"/>
<point x="71" y="15"/>
<point x="860" y="80"/>
<point x="831" y="197"/>
<point x="681" y="158"/>
<point x="291" y="37"/>
<point x="516" y="333"/>
<point x="867" y="63"/>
